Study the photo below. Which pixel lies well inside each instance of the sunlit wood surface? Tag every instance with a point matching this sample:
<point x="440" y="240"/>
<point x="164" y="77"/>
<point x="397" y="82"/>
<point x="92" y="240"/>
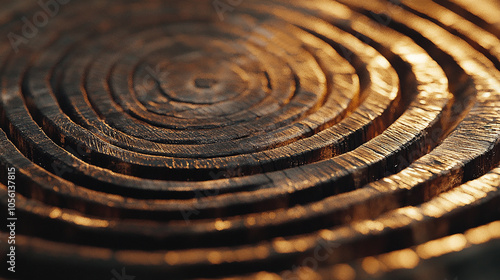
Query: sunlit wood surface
<point x="269" y="139"/>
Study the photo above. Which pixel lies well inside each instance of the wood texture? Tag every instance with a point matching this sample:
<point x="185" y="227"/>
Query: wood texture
<point x="173" y="140"/>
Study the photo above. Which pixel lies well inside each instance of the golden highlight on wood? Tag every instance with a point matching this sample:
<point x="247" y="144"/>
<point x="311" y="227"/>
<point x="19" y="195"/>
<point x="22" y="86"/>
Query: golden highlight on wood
<point x="250" y="139"/>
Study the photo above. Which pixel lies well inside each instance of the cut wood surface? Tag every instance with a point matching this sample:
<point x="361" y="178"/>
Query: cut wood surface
<point x="237" y="139"/>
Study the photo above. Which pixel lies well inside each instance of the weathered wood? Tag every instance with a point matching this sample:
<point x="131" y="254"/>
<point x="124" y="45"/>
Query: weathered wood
<point x="173" y="139"/>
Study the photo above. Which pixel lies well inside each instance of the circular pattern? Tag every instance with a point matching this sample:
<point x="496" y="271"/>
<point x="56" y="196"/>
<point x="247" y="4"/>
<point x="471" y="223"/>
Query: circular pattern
<point x="258" y="139"/>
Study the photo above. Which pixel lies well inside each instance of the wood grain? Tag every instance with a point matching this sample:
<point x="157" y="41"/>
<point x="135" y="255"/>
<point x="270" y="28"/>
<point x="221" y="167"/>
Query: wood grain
<point x="160" y="137"/>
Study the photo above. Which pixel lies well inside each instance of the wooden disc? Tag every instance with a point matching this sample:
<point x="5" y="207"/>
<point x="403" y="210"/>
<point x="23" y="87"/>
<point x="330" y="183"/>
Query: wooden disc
<point x="276" y="139"/>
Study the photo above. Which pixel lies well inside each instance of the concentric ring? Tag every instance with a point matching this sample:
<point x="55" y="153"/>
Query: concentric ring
<point x="171" y="138"/>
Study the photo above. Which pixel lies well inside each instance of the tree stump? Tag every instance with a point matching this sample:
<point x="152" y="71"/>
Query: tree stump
<point x="257" y="139"/>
